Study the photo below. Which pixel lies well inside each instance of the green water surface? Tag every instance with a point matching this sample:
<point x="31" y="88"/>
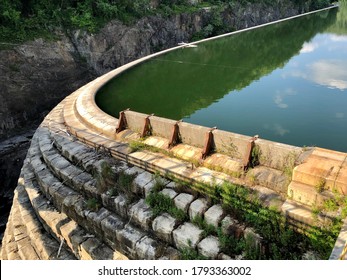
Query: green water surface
<point x="285" y="82"/>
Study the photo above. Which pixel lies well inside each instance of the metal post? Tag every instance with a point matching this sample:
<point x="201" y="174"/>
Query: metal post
<point x="174" y="139"/>
<point x="122" y="122"/>
<point x="146" y="131"/>
<point x="208" y="143"/>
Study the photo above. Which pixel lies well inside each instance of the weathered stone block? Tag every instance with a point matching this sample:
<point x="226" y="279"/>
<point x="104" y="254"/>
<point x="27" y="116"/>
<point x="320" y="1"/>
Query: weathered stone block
<point x="134" y="171"/>
<point x="299" y="214"/>
<point x="141" y="181"/>
<point x="169" y="192"/>
<point x="80" y="180"/>
<point x="198" y="208"/>
<point x="127" y="238"/>
<point x="171" y="185"/>
<point x="67" y="230"/>
<point x="59" y="163"/>
<point x="26" y="251"/>
<point x="268" y="197"/>
<point x="90" y="189"/>
<point x="77" y="238"/>
<point x="95" y="218"/>
<point x="147" y="249"/>
<point x="271" y="178"/>
<point x="69" y="173"/>
<point x="110" y="226"/>
<point x="163" y="226"/>
<point x="183" y="200"/>
<point x="89" y="164"/>
<point x="253" y="237"/>
<point x="214" y="215"/>
<point x="73" y="206"/>
<point x="141" y="214"/>
<point x="148" y="188"/>
<point x="230" y="226"/>
<point x="107" y="201"/>
<point x="121" y="206"/>
<point x="93" y="249"/>
<point x="60" y="193"/>
<point x="170" y="254"/>
<point x="46" y="179"/>
<point x="209" y="247"/>
<point x="187" y="235"/>
<point x="308" y="195"/>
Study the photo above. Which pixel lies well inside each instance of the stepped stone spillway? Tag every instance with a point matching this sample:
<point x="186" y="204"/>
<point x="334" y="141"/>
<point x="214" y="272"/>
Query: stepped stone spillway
<point x="69" y="204"/>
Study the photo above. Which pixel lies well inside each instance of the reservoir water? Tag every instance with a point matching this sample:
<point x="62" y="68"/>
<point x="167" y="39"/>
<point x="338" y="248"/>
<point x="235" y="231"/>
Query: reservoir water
<point x="285" y="82"/>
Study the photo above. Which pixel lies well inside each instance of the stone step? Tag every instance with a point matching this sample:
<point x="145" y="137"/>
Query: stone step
<point x="298" y="214"/>
<point x="49" y="184"/>
<point x="45" y="246"/>
<point x="156" y="141"/>
<point x="215" y="161"/>
<point x="227" y="164"/>
<point x="63" y="171"/>
<point x="9" y="246"/>
<point x="73" y="206"/>
<point x="323" y="169"/>
<point x="26" y="249"/>
<point x="302" y="216"/>
<point x="76" y="152"/>
<point x="55" y="120"/>
<point x="64" y="228"/>
<point x="137" y="213"/>
<point x="308" y="195"/>
<point x="268" y="197"/>
<point x="270" y="178"/>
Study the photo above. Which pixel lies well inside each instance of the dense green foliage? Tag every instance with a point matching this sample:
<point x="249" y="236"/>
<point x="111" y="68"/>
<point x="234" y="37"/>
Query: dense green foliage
<point x="26" y="19"/>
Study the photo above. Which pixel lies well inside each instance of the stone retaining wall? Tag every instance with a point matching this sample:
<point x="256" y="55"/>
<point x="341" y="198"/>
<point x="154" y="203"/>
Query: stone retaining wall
<point x="59" y="180"/>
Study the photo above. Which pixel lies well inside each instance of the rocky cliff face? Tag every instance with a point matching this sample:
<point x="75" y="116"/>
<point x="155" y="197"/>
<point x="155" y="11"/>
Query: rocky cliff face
<point x="117" y="44"/>
<point x="37" y="75"/>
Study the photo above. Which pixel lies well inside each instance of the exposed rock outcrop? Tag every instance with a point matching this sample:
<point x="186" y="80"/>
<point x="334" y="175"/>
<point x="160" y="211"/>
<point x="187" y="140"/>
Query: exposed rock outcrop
<point x="35" y="76"/>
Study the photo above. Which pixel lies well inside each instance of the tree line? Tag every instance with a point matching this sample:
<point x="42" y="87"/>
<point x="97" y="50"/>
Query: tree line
<point x="22" y="19"/>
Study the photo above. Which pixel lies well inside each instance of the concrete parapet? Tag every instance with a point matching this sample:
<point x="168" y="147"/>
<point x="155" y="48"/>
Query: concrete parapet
<point x="162" y="127"/>
<point x="135" y="121"/>
<point x="231" y="144"/>
<point x="277" y="155"/>
<point x="193" y="135"/>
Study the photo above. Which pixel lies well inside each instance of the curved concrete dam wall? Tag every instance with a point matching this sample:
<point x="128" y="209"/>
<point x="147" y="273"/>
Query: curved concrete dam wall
<point x="88" y="183"/>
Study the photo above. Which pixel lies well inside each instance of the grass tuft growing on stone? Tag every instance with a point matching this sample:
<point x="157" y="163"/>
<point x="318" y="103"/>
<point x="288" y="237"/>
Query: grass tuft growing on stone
<point x="202" y="224"/>
<point x="161" y="203"/>
<point x="93" y="204"/>
<point x="191" y="254"/>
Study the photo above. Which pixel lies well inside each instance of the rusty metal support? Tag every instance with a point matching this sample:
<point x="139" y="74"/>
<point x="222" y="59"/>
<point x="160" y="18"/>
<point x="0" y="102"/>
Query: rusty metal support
<point x="208" y="143"/>
<point x="146" y="131"/>
<point x="174" y="139"/>
<point x="122" y="122"/>
<point x="248" y="157"/>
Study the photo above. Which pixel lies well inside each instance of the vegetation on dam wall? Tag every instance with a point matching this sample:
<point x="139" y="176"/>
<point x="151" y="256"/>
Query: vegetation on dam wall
<point x="24" y="20"/>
